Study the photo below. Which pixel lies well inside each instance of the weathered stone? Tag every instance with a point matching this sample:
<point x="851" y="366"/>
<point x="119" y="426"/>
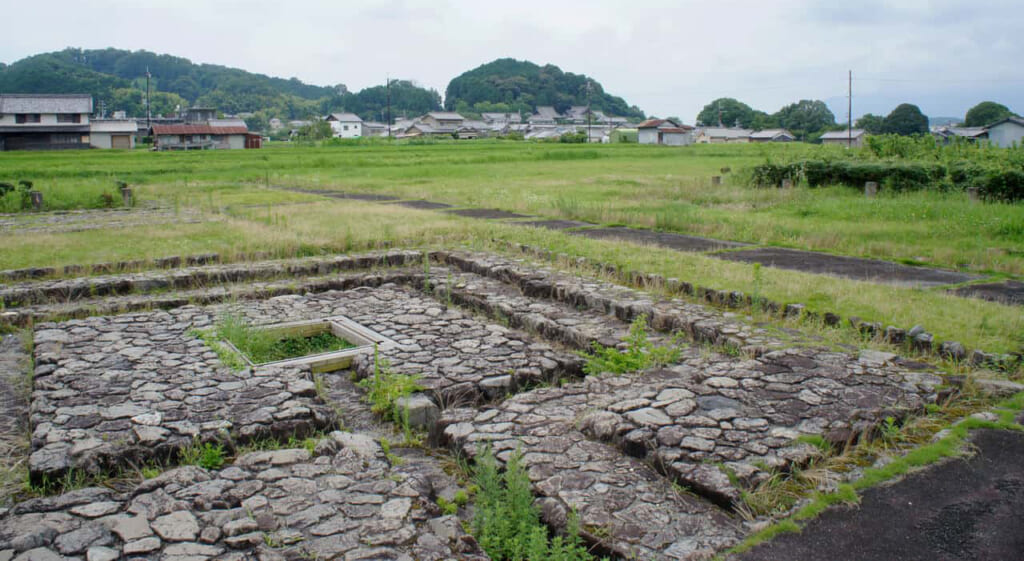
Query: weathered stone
<point x="145" y="545"/>
<point x="177" y="526"/>
<point x="419" y="409"/>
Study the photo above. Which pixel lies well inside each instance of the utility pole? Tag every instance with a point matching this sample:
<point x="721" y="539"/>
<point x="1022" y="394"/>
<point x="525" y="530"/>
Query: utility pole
<point x="387" y="78"/>
<point x="588" y="111"/>
<point x="149" y="114"/>
<point x="849" y="112"/>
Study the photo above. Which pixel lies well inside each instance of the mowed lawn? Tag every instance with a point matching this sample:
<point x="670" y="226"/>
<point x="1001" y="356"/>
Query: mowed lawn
<point x="646" y="186"/>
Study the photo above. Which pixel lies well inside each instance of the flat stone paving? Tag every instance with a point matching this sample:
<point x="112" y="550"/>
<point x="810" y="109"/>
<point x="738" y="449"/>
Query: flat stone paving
<point x="856" y="268"/>
<point x="678" y="242"/>
<point x="81" y="220"/>
<point x="685" y="421"/>
<point x="135" y="387"/>
<point x="486" y="213"/>
<point x="422" y="204"/>
<point x="1005" y="292"/>
<point x="555" y="224"/>
<point x="345" y="502"/>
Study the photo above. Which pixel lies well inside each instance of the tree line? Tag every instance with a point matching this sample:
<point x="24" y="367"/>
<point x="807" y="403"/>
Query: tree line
<point x="809" y="119"/>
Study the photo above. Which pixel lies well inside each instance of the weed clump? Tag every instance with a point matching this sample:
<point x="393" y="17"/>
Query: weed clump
<point x="640" y="353"/>
<point x="508" y="525"/>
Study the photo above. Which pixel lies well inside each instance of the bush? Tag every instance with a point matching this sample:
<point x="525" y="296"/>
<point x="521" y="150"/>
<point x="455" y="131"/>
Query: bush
<point x="1005" y="186"/>
<point x="771" y="174"/>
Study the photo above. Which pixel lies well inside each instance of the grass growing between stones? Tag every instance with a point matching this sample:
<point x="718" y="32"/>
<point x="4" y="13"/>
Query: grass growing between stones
<point x="206" y="455"/>
<point x="506" y="522"/>
<point x="384" y="392"/>
<point x="925" y="440"/>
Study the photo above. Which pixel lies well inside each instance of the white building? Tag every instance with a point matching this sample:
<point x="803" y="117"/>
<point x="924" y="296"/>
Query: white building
<point x="1007" y="132"/>
<point x="113" y="133"/>
<point x="664" y="131"/>
<point x="345" y="125"/>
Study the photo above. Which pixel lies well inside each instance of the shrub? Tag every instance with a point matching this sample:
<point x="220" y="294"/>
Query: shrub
<point x="1005" y="186"/>
<point x="771" y="174"/>
<point x="205" y="455"/>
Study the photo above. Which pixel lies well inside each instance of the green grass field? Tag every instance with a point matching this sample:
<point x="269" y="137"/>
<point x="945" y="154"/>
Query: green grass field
<point x="648" y="186"/>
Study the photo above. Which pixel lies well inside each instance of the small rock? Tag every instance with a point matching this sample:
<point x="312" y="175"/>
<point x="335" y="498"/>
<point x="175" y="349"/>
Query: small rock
<point x="145" y="545"/>
<point x="177" y="527"/>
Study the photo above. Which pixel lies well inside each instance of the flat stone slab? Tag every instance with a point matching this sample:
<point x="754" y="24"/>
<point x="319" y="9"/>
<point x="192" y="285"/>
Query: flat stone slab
<point x="678" y="242"/>
<point x="422" y="204"/>
<point x="1006" y="292"/>
<point x="343" y="195"/>
<point x="960" y="509"/>
<point x="82" y="220"/>
<point x="486" y="213"/>
<point x="346" y="501"/>
<point x="856" y="268"/>
<point x="556" y="224"/>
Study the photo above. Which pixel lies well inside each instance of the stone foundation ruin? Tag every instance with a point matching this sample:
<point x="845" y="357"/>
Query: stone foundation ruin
<point x="123" y="380"/>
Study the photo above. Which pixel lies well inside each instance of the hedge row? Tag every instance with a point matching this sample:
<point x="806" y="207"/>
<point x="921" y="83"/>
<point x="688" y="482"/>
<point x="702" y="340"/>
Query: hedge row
<point x="992" y="183"/>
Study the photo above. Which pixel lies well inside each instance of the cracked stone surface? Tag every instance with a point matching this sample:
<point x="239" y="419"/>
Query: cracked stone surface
<point x="684" y="422"/>
<point x="135" y="387"/>
<point x="348" y="502"/>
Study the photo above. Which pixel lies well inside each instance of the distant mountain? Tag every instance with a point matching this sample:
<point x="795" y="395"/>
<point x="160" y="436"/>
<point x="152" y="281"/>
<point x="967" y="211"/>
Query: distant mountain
<point x="117" y="81"/>
<point x="944" y="121"/>
<point x="509" y="85"/>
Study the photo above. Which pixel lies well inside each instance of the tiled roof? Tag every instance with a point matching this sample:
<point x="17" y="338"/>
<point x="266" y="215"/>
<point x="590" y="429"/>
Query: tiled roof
<point x="842" y="135"/>
<point x="45" y="103"/>
<point x="344" y="117"/>
<point x="197" y="129"/>
<point x="445" y="115"/>
<point x="770" y="133"/>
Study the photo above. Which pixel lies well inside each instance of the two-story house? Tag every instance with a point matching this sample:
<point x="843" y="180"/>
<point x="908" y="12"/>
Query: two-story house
<point x="345" y="125"/>
<point x="44" y="121"/>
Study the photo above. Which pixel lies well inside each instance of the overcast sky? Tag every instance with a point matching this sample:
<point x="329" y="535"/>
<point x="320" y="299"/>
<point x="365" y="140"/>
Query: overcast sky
<point x="669" y="58"/>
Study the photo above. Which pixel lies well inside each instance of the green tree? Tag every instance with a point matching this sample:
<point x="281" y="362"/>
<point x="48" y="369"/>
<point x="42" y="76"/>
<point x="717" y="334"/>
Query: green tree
<point x="986" y="113"/>
<point x="906" y="119"/>
<point x="728" y="111"/>
<point x="807" y="116"/>
<point x="317" y="130"/>
<point x="872" y="124"/>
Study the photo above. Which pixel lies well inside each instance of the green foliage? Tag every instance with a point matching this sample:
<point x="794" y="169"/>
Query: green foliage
<point x="521" y="86"/>
<point x="986" y="113"/>
<point x="317" y="130"/>
<point x="805" y="117"/>
<point x="507" y="524"/>
<point x="906" y="119"/>
<point x="573" y="138"/>
<point x="872" y="124"/>
<point x="447" y="507"/>
<point x="203" y="454"/>
<point x="262" y="345"/>
<point x="228" y="357"/>
<point x="639" y="354"/>
<point x="730" y="112"/>
<point x="385" y="389"/>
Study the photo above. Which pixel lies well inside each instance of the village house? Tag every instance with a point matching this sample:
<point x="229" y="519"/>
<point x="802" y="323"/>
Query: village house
<point x="345" y="125"/>
<point x="947" y="134"/>
<point x="113" y="133"/>
<point x="44" y="121"/>
<point x="723" y="135"/>
<point x="1007" y="133"/>
<point x="664" y="131"/>
<point x="854" y="138"/>
<point x="203" y="137"/>
<point x="772" y="135"/>
<point x="442" y="119"/>
<point x="501" y="118"/>
<point x="545" y="115"/>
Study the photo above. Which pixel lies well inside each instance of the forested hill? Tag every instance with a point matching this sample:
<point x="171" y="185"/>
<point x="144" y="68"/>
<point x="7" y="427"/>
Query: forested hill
<point x="116" y="79"/>
<point x="509" y="85"/>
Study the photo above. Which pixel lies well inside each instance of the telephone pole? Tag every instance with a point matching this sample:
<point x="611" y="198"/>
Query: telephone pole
<point x="387" y="78"/>
<point x="849" y="112"/>
<point x="588" y="111"/>
<point x="149" y="114"/>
